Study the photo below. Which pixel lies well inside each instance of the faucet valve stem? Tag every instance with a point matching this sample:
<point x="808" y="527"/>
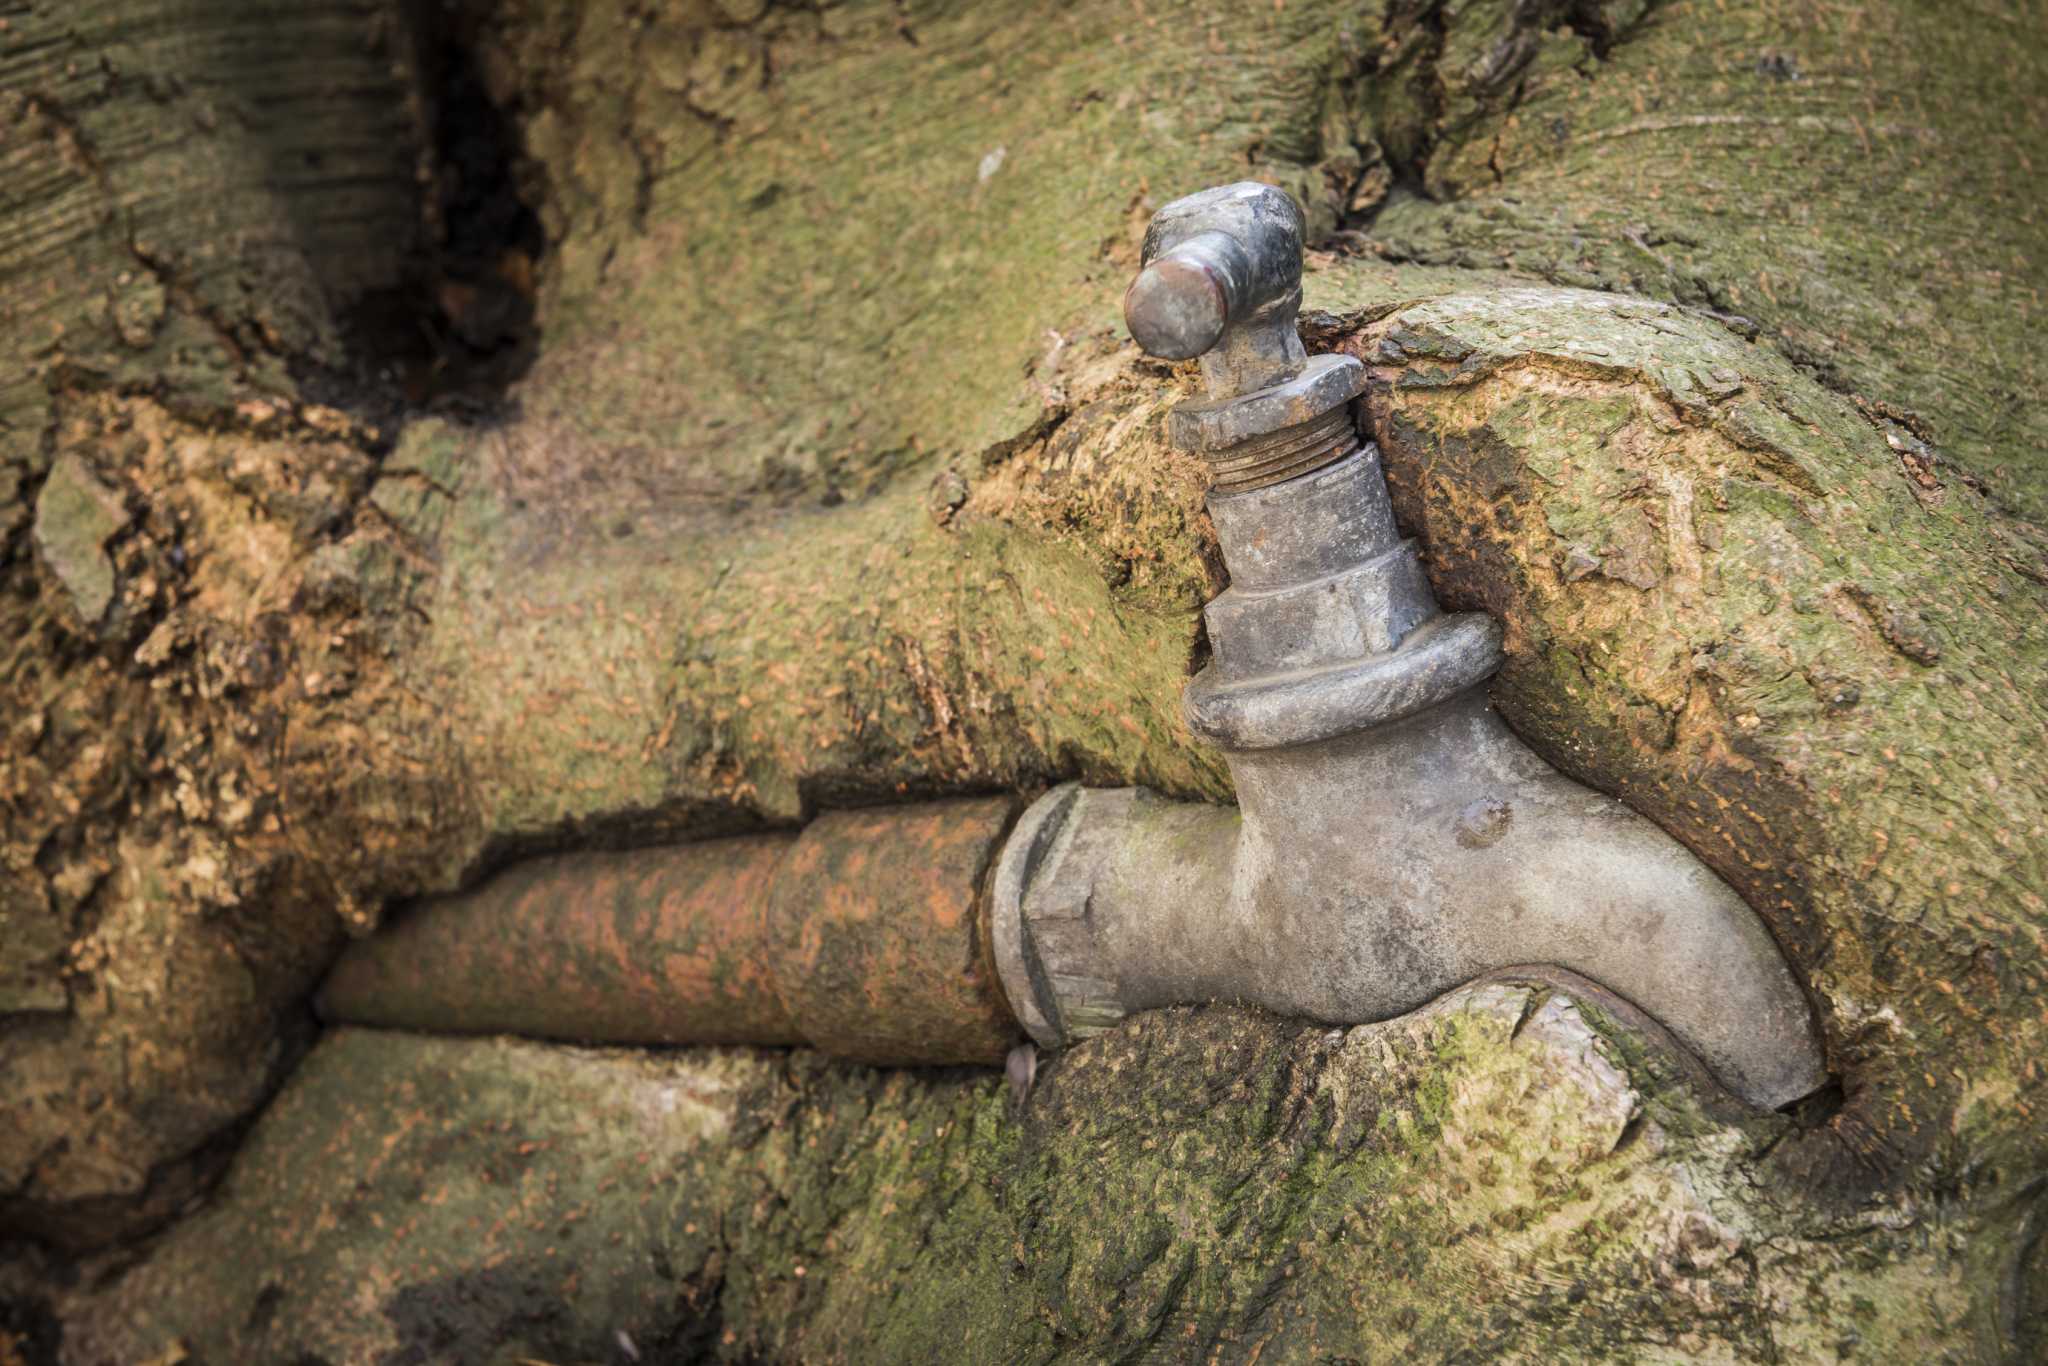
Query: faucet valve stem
<point x="1329" y="626"/>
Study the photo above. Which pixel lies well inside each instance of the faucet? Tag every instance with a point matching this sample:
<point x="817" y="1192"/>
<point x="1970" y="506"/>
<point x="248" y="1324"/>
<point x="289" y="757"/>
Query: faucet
<point x="1393" y="838"/>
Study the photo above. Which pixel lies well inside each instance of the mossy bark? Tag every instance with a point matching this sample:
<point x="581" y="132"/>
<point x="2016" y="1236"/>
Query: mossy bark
<point x="194" y="192"/>
<point x="1503" y="1175"/>
<point x="835" y="482"/>
<point x="1483" y="1176"/>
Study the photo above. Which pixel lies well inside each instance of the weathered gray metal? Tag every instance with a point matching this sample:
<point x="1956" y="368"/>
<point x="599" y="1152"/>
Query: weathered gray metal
<point x="1393" y="838"/>
<point x="1222" y="280"/>
<point x="1328" y="625"/>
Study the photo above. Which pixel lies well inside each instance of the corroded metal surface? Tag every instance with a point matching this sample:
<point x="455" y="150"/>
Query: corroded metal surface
<point x="861" y="935"/>
<point x="1260" y="461"/>
<point x="875" y="920"/>
<point x="644" y="946"/>
<point x="1220" y="428"/>
<point x="1328" y="625"/>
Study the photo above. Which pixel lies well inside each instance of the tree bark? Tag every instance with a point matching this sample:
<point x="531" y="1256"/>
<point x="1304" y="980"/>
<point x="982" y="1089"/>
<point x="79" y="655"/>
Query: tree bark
<point x="1699" y="336"/>
<point x="193" y="194"/>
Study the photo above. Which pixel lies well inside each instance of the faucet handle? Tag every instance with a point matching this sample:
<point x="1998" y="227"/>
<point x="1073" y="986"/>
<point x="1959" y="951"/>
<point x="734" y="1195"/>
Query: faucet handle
<point x="1222" y="280"/>
<point x="1182" y="300"/>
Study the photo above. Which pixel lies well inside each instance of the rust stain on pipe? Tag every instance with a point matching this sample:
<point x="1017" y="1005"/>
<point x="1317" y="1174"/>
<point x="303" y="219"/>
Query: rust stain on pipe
<point x="876" y="919"/>
<point x="860" y="935"/>
<point x="646" y="946"/>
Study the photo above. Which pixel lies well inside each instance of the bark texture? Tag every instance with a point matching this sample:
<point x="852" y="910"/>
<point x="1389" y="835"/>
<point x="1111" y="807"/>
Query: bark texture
<point x="1489" y="1177"/>
<point x="1701" y="335"/>
<point x="193" y="191"/>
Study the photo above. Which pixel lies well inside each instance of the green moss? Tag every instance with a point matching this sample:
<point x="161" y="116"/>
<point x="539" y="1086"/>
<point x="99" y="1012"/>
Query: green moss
<point x="1825" y="629"/>
<point x="1192" y="1184"/>
<point x="699" y="580"/>
<point x="1798" y="165"/>
<point x="849" y="237"/>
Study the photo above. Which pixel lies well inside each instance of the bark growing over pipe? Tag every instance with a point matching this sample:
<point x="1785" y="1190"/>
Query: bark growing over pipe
<point x="860" y="936"/>
<point x="1395" y="838"/>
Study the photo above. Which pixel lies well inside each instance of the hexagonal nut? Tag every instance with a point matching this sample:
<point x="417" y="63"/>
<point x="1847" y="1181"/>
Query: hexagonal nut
<point x="1218" y="424"/>
<point x="1041" y="933"/>
<point x="1366" y="610"/>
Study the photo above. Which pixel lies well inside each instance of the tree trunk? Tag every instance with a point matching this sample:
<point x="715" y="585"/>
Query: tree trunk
<point x="1699" y="334"/>
<point x="193" y="192"/>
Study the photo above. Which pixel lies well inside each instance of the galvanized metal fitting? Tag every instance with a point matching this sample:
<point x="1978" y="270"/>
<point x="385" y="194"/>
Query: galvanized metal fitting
<point x="1328" y="625"/>
<point x="1222" y="280"/>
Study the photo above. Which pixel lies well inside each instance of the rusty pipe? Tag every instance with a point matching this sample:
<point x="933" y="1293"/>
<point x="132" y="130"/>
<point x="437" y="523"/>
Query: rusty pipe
<point x="862" y="935"/>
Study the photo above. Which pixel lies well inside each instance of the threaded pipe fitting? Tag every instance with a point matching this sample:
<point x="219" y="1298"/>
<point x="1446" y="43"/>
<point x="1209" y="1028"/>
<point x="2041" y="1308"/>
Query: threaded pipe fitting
<point x="1261" y="460"/>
